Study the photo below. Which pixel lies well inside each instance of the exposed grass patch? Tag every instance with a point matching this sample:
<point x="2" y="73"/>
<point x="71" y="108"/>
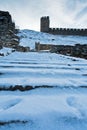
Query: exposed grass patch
<point x="2" y="123"/>
<point x="77" y="68"/>
<point x="22" y="88"/>
<point x="1" y="73"/>
<point x="84" y="75"/>
<point x="26" y="88"/>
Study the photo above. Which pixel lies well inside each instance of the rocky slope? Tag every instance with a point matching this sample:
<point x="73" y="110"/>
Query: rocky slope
<point x="8" y="31"/>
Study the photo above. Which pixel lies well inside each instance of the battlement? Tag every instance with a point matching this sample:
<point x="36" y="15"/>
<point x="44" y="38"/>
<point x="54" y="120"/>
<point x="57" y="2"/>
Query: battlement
<point x="45" y="27"/>
<point x="45" y="17"/>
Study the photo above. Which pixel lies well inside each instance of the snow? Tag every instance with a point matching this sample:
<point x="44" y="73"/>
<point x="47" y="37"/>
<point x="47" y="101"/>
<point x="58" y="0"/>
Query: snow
<point x="6" y="51"/>
<point x="62" y="105"/>
<point x="53" y="108"/>
<point x="38" y="69"/>
<point x="29" y="37"/>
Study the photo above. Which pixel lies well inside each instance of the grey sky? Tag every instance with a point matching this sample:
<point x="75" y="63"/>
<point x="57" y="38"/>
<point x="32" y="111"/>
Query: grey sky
<point x="63" y="13"/>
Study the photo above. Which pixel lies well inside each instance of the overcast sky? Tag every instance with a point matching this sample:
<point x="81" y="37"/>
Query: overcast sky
<point x="63" y="13"/>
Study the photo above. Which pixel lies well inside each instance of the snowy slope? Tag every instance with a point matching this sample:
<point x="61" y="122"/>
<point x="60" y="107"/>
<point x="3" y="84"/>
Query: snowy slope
<point x="6" y="51"/>
<point x="61" y="106"/>
<point x="50" y="109"/>
<point x="38" y="69"/>
<point x="29" y="37"/>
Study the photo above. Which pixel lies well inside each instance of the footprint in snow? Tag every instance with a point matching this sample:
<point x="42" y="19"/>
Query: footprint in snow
<point x="74" y="102"/>
<point x="8" y="104"/>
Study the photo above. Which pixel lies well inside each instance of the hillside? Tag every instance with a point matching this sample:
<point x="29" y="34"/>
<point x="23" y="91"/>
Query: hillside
<point x="29" y="37"/>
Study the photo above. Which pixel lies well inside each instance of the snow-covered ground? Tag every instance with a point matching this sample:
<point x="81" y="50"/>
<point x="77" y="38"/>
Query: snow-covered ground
<point x="62" y="105"/>
<point x="38" y="69"/>
<point x="50" y="109"/>
<point x="29" y="37"/>
<point x="6" y="51"/>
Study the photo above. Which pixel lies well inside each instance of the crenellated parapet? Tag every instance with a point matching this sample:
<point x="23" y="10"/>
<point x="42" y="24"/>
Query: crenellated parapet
<point x="45" y="27"/>
<point x="68" y="31"/>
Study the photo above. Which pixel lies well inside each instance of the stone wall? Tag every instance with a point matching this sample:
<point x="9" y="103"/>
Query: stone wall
<point x="44" y="24"/>
<point x="39" y="46"/>
<point x="76" y="50"/>
<point x="45" y="27"/>
<point x="22" y="49"/>
<point x="68" y="31"/>
<point x="8" y="31"/>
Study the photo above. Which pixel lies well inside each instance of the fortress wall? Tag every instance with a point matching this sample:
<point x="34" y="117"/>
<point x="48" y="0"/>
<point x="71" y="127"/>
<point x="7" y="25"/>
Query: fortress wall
<point x="39" y="47"/>
<point x="76" y="50"/>
<point x="44" y="24"/>
<point x="45" y="27"/>
<point x="68" y="31"/>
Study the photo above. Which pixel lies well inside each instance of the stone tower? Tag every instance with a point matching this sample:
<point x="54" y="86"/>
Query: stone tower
<point x="44" y="24"/>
